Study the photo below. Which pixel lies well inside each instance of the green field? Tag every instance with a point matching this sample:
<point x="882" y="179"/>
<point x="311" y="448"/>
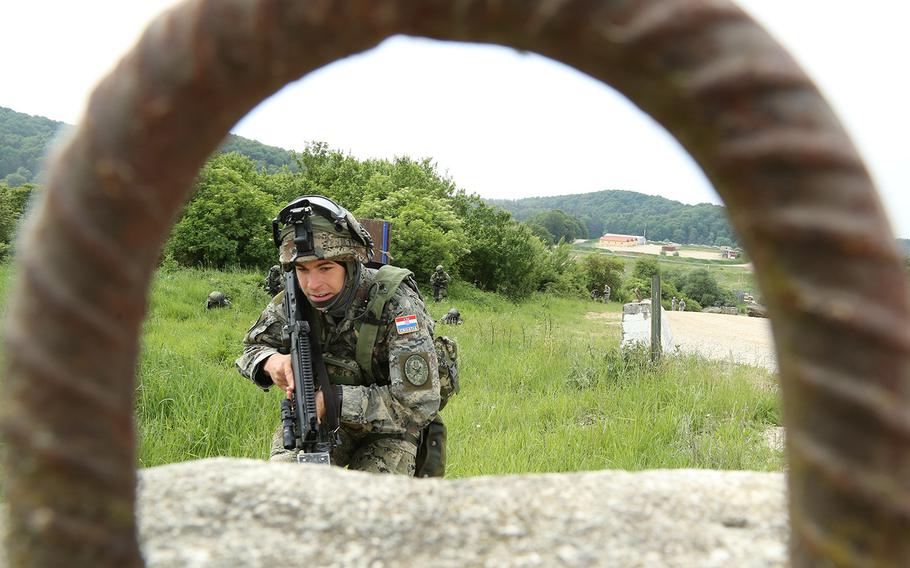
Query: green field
<point x="732" y="275"/>
<point x="544" y="388"/>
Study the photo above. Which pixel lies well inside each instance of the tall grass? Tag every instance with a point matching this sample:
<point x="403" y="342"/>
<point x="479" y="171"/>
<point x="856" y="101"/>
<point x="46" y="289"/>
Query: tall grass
<point x="543" y="387"/>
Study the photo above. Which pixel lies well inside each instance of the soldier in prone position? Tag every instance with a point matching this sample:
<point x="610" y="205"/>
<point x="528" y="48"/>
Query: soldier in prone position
<point x="217" y="300"/>
<point x="382" y="415"/>
<point x="452" y="317"/>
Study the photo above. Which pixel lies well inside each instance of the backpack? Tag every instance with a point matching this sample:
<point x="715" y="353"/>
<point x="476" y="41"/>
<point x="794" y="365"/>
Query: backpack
<point x="431" y="447"/>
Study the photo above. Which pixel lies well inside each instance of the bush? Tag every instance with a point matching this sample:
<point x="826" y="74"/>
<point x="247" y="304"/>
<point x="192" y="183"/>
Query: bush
<point x="600" y="269"/>
<point x="227" y="221"/>
<point x="504" y="256"/>
<point x="425" y="230"/>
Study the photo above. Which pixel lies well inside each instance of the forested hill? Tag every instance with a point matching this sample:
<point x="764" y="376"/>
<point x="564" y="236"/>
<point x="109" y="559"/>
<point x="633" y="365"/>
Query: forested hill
<point x="24" y="139"/>
<point x="628" y="212"/>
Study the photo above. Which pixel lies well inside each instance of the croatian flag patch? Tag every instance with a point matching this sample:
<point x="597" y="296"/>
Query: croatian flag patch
<point x="406" y="324"/>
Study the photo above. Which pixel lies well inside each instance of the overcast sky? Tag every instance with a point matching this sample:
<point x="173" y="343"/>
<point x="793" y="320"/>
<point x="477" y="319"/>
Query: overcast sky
<point x="500" y="123"/>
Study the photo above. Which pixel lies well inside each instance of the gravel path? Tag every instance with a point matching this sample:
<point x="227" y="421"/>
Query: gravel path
<point x="739" y="339"/>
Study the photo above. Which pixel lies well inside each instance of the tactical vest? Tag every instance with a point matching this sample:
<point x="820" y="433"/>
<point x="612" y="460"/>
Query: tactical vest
<point x="431" y="446"/>
<point x="359" y="372"/>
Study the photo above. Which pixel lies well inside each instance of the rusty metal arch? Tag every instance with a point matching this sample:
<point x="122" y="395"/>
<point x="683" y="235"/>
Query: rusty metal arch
<point x="798" y="194"/>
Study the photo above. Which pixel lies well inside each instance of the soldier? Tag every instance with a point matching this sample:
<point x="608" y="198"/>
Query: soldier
<point x="273" y="283"/>
<point x="673" y="304"/>
<point x="606" y="293"/>
<point x="217" y="300"/>
<point x="453" y="317"/>
<point x="381" y="412"/>
<point x="439" y="280"/>
<point x="682" y="305"/>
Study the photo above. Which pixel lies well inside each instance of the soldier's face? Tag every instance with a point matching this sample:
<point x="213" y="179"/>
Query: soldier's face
<point x="320" y="280"/>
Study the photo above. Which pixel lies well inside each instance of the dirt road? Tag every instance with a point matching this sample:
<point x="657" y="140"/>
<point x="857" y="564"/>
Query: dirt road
<point x="739" y="339"/>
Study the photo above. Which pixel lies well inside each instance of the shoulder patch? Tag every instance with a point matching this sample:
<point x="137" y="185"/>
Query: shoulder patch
<point x="406" y="324"/>
<point x="416" y="370"/>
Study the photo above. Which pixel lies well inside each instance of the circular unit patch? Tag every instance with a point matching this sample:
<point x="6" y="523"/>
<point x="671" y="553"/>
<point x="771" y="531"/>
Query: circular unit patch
<point x="416" y="370"/>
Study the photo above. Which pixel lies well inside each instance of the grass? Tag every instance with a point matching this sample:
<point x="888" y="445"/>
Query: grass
<point x="546" y="389"/>
<point x="543" y="387"/>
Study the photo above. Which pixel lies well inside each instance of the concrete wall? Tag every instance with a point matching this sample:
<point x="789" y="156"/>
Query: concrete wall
<point x="636" y="326"/>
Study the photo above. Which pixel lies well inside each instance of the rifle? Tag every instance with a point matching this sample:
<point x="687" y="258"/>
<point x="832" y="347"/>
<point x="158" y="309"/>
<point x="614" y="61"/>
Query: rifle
<point x="300" y="428"/>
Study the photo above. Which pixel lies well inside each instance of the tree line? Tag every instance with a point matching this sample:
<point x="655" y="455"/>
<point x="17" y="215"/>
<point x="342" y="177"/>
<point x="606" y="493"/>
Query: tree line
<point x="628" y="212"/>
<point x="24" y="140"/>
<point x="227" y="222"/>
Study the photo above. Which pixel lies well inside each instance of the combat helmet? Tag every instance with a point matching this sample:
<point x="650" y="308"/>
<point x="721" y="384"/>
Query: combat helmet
<point x="439" y="268"/>
<point x="454" y="313"/>
<point x="313" y="227"/>
<point x="216" y="299"/>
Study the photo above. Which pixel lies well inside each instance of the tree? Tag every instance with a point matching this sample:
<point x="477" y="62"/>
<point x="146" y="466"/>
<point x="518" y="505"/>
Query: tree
<point x="227" y="221"/>
<point x="20" y="177"/>
<point x="701" y="286"/>
<point x="559" y="225"/>
<point x="560" y="274"/>
<point x="541" y="232"/>
<point x="602" y="269"/>
<point x="645" y="268"/>
<point x="425" y="229"/>
<point x="14" y="202"/>
<point x="504" y="255"/>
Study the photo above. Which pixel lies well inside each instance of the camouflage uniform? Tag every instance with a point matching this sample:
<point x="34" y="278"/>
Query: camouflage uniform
<point x="274" y="282"/>
<point x="380" y="422"/>
<point x="452" y="317"/>
<point x="606" y="293"/>
<point x="439" y="280"/>
<point x="217" y="300"/>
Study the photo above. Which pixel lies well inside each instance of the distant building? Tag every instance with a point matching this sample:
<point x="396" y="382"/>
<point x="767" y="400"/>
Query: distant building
<point x="729" y="253"/>
<point x="612" y="240"/>
<point x="668" y="248"/>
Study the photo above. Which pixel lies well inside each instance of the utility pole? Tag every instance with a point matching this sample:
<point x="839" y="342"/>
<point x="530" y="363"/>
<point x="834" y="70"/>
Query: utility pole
<point x="655" y="318"/>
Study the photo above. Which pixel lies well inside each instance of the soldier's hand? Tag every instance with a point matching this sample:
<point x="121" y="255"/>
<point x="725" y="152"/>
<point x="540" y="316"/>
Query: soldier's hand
<point x="278" y="368"/>
<point x="320" y="407"/>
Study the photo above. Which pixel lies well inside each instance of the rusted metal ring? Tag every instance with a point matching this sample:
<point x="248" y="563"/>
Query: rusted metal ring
<point x="798" y="195"/>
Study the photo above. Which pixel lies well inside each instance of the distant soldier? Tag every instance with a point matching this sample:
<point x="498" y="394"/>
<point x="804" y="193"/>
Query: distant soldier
<point x="673" y="304"/>
<point x="594" y="295"/>
<point x="439" y="280"/>
<point x="217" y="300"/>
<point x="273" y="282"/>
<point x="682" y="305"/>
<point x="453" y="317"/>
<point x="606" y="293"/>
<point x="638" y="295"/>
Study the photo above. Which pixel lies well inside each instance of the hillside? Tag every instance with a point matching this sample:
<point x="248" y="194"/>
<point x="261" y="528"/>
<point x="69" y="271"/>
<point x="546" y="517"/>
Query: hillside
<point x="24" y="139"/>
<point x="628" y="212"/>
